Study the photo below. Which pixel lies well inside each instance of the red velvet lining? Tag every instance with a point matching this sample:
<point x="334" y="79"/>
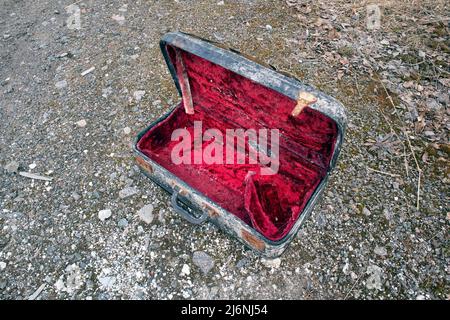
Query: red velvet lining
<point x="224" y="100"/>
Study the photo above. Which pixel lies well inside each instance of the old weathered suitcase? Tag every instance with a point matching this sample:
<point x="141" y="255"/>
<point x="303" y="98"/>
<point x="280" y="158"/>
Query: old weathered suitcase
<point x="267" y="187"/>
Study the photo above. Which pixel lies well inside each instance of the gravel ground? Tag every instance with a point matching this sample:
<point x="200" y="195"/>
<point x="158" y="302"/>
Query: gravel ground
<point x="100" y="230"/>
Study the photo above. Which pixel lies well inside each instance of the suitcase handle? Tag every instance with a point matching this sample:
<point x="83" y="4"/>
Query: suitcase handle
<point x="185" y="214"/>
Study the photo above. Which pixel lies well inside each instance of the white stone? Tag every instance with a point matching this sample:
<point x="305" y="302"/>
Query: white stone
<point x="381" y="251"/>
<point x="119" y="19"/>
<point x="138" y="95"/>
<point x="271" y="263"/>
<point x="104" y="214"/>
<point x="107" y="281"/>
<point x="82" y="123"/>
<point x="32" y="166"/>
<point x="185" y="271"/>
<point x="2" y="265"/>
<point x="127" y="192"/>
<point x="127" y="130"/>
<point x="374" y="279"/>
<point x="146" y="213"/>
<point x="61" y="84"/>
<point x="59" y="285"/>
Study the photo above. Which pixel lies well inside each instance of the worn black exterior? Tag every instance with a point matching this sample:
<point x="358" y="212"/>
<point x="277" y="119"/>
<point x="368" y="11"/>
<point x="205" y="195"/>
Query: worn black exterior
<point x="202" y="208"/>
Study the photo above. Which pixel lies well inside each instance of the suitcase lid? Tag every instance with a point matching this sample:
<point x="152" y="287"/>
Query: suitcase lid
<point x="258" y="72"/>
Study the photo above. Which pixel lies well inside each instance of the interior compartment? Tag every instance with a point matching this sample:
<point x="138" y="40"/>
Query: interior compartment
<point x="224" y="100"/>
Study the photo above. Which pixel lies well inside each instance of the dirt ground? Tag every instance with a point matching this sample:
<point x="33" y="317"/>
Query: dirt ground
<point x="379" y="231"/>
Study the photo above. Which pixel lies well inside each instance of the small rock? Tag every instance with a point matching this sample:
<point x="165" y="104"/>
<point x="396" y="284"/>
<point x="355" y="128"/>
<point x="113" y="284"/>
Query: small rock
<point x="268" y="27"/>
<point x="242" y="263"/>
<point x="203" y="261"/>
<point x="366" y="212"/>
<point x="123" y="223"/>
<point x="2" y="265"/>
<point x="381" y="251"/>
<point x="321" y="220"/>
<point x="271" y="263"/>
<point x="374" y="280"/>
<point x="138" y="95"/>
<point x="61" y="84"/>
<point x="32" y="166"/>
<point x="127" y="192"/>
<point x="146" y="213"/>
<point x="107" y="282"/>
<point x="119" y="19"/>
<point x="59" y="285"/>
<point x="127" y="130"/>
<point x="104" y="214"/>
<point x="75" y="196"/>
<point x="220" y="3"/>
<point x="185" y="271"/>
<point x="12" y="167"/>
<point x="82" y="123"/>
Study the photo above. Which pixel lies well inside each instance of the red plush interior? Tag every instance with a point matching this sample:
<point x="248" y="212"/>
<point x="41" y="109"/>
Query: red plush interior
<point x="224" y="100"/>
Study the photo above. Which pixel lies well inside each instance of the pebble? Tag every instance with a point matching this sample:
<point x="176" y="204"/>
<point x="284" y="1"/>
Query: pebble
<point x="242" y="263"/>
<point x="32" y="166"/>
<point x="59" y="285"/>
<point x="138" y="95"/>
<point x="185" y="271"/>
<point x="61" y="84"/>
<point x="381" y="251"/>
<point x="366" y="212"/>
<point x="12" y="167"/>
<point x="123" y="223"/>
<point x="82" y="123"/>
<point x="321" y="220"/>
<point x="374" y="280"/>
<point x="127" y="130"/>
<point x="271" y="263"/>
<point x="127" y="192"/>
<point x="146" y="213"/>
<point x="119" y="19"/>
<point x="2" y="265"/>
<point x="202" y="260"/>
<point x="107" y="281"/>
<point x="76" y="196"/>
<point x="104" y="214"/>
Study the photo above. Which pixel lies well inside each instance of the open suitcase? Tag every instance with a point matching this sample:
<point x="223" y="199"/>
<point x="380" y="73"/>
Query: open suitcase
<point x="261" y="204"/>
